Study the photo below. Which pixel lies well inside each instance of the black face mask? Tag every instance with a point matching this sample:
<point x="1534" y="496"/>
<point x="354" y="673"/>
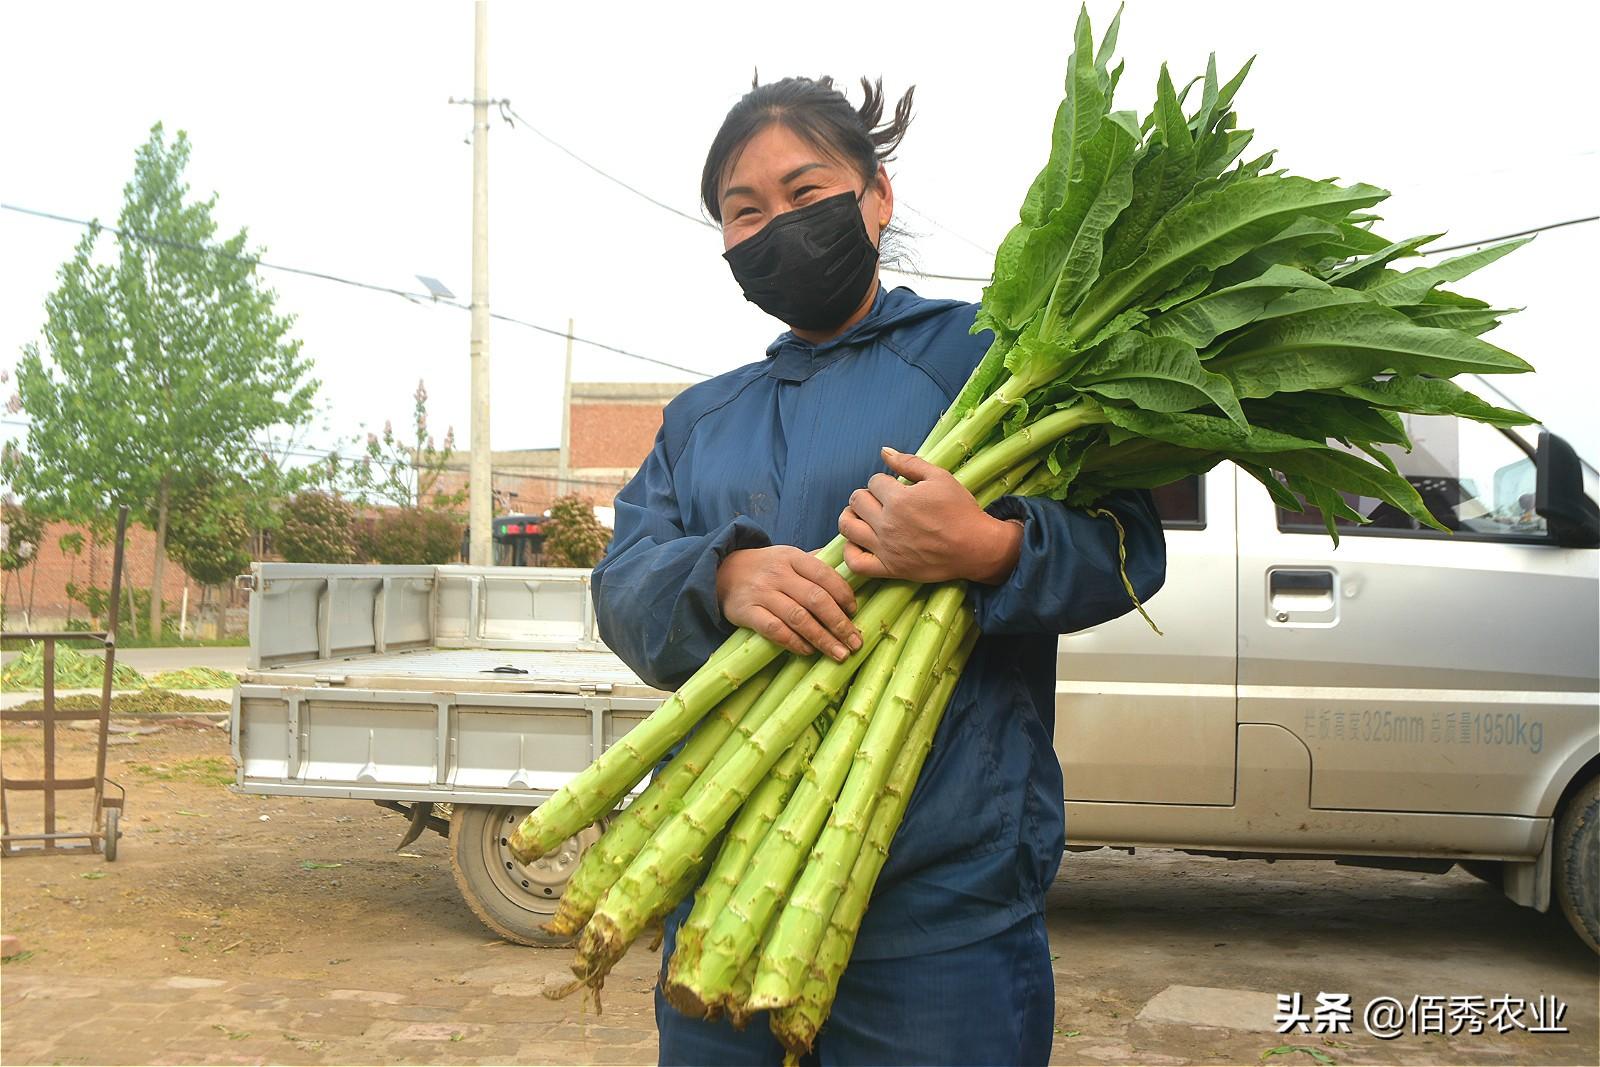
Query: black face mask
<point x="810" y="267"/>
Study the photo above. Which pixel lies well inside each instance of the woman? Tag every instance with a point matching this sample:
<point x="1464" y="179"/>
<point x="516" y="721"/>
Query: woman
<point x="952" y="964"/>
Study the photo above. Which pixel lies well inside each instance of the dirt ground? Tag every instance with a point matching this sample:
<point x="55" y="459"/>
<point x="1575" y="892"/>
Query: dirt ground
<point x="240" y="929"/>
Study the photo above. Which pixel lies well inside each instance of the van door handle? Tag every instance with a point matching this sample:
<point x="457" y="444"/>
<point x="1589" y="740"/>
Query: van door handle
<point x="1303" y="596"/>
<point x="1301" y="582"/>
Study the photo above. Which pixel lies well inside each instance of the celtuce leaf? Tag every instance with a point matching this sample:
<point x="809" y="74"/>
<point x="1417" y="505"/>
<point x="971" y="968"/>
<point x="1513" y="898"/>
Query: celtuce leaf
<point x="1412" y="286"/>
<point x="1355" y="274"/>
<point x="1206" y="317"/>
<point x="1018" y="279"/>
<point x="1155" y="374"/>
<point x="1214" y="231"/>
<point x="1330" y="347"/>
<point x="1434" y="396"/>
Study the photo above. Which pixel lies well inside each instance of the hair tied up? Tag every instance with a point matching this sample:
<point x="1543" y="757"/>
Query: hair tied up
<point x="816" y="112"/>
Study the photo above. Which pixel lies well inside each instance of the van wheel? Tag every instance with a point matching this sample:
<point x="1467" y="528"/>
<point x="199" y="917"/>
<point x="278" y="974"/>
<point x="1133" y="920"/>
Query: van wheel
<point x="1577" y="861"/>
<point x="514" y="900"/>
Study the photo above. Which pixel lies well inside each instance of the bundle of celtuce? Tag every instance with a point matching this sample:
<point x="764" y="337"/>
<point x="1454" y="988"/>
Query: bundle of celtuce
<point x="1160" y="307"/>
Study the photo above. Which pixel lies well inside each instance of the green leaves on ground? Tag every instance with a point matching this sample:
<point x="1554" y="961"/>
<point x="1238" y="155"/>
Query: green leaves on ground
<point x="1288" y="1050"/>
<point x="73" y="670"/>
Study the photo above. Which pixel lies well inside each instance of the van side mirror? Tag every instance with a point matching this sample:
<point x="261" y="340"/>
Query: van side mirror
<point x="1558" y="497"/>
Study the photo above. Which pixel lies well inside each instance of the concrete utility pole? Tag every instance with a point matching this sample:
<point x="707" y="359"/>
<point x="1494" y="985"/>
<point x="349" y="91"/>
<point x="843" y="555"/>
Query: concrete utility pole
<point x="564" y="473"/>
<point x="479" y="498"/>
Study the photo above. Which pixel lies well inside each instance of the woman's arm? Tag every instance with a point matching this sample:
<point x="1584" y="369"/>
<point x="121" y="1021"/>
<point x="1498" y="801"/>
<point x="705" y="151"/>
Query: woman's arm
<point x="655" y="592"/>
<point x="1067" y="576"/>
<point x="665" y="599"/>
<point x="1035" y="564"/>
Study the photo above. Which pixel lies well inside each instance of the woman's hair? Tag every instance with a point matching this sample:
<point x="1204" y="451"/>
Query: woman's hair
<point x="816" y="112"/>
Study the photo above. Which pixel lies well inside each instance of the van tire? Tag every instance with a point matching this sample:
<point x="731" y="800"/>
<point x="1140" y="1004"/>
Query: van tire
<point x="1577" y="861"/>
<point x="513" y="900"/>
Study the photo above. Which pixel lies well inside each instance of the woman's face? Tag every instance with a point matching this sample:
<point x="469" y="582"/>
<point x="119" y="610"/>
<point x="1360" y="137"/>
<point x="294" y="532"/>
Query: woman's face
<point x="779" y="171"/>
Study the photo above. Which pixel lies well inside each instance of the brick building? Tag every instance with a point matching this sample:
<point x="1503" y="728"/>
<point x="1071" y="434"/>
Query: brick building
<point x="610" y="428"/>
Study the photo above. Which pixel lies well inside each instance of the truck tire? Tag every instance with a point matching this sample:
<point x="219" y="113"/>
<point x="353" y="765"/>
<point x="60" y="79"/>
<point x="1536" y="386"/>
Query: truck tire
<point x="513" y="900"/>
<point x="1577" y="861"/>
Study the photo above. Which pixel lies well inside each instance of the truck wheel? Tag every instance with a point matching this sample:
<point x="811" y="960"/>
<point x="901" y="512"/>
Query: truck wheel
<point x="511" y="898"/>
<point x="1577" y="861"/>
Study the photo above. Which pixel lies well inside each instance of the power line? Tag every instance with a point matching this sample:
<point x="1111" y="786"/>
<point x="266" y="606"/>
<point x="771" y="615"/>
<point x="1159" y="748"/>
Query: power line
<point x="309" y="452"/>
<point x="1508" y="236"/>
<point x="413" y="297"/>
<point x="510" y="113"/>
<point x="941" y="226"/>
<point x="426" y="298"/>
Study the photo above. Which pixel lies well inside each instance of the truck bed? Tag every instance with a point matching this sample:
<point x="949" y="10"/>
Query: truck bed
<point x="500" y="693"/>
<point x="464" y="669"/>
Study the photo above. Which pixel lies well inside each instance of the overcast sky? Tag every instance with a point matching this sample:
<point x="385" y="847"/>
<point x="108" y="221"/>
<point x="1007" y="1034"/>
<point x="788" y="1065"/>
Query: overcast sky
<point x="325" y="129"/>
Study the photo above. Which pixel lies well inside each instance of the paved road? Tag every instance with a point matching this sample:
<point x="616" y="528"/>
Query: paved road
<point x="152" y="660"/>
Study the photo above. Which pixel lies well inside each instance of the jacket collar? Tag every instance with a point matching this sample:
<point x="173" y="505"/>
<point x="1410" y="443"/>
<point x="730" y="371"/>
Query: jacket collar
<point x="791" y="359"/>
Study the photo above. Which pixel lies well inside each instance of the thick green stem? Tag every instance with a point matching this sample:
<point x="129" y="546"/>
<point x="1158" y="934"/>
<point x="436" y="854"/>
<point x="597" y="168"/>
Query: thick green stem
<point x="1027" y="440"/>
<point x="967" y="436"/>
<point x="797" y="1024"/>
<point x="605" y="861"/>
<point x="599" y="787"/>
<point x="1011" y="483"/>
<point x="990" y="367"/>
<point x="750" y="831"/>
<point x="729" y="920"/>
<point x="1039" y="481"/>
<point x="686" y="836"/>
<point x="804" y="918"/>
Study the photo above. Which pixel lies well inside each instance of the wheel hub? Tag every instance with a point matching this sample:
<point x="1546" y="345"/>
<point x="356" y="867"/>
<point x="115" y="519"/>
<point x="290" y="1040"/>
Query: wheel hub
<point x="535" y="886"/>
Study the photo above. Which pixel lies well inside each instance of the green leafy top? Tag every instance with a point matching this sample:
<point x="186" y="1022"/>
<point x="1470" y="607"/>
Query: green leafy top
<point x="1192" y="308"/>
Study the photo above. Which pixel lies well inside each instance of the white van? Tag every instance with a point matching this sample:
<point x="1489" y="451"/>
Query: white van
<point x="1407" y="698"/>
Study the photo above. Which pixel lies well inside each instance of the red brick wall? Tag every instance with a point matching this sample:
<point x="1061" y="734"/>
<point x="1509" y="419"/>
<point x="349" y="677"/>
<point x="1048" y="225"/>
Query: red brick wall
<point x="43" y="582"/>
<point x="535" y="493"/>
<point x="611" y="434"/>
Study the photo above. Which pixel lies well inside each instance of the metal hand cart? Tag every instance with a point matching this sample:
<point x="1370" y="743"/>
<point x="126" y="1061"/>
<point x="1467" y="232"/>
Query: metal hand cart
<point x="102" y="833"/>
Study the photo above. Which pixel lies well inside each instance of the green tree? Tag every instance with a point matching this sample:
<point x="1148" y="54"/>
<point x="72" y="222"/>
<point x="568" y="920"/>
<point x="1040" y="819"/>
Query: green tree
<point x="405" y="472"/>
<point x="207" y="534"/>
<point x="412" y="536"/>
<point x="573" y="536"/>
<point x="158" y="367"/>
<point x="316" y="527"/>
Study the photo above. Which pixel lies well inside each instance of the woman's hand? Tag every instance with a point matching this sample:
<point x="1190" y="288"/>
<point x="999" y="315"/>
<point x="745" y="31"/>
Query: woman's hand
<point x="791" y="597"/>
<point x="929" y="531"/>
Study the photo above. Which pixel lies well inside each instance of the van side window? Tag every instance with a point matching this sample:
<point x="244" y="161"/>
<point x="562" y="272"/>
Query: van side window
<point x="1472" y="478"/>
<point x="1182" y="505"/>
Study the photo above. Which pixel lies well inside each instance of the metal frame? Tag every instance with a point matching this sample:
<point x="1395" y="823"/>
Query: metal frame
<point x="357" y="605"/>
<point x="101" y="826"/>
<point x="525" y="785"/>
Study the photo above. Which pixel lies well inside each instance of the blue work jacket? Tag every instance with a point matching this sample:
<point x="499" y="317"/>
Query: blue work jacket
<point x="769" y="454"/>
